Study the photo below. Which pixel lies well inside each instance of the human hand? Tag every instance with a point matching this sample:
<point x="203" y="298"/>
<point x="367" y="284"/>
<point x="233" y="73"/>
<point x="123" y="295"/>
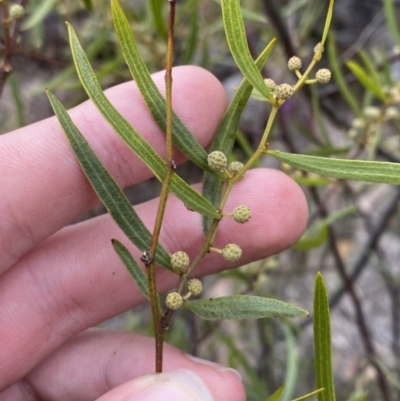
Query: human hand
<point x="56" y="280"/>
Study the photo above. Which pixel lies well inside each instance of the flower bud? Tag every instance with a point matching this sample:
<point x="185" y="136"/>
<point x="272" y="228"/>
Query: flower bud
<point x="195" y="286"/>
<point x="241" y="214"/>
<point x="323" y="76"/>
<point x="294" y="63"/>
<point x="174" y="300"/>
<point x="217" y="161"/>
<point x="180" y="261"/>
<point x="270" y="83"/>
<point x="284" y="92"/>
<point x="372" y="112"/>
<point x="16" y="11"/>
<point x="231" y="252"/>
<point x="235" y="167"/>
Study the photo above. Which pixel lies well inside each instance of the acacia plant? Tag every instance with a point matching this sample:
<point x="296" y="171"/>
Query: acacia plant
<point x="219" y="179"/>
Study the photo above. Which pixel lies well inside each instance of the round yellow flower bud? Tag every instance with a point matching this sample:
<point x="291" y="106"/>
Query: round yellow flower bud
<point x="180" y="261"/>
<point x="241" y="214"/>
<point x="217" y="161"/>
<point x="16" y="11"/>
<point x="270" y="83"/>
<point x="235" y="167"/>
<point x="174" y="300"/>
<point x="323" y="76"/>
<point x="284" y="92"/>
<point x="231" y="252"/>
<point x="195" y="286"/>
<point x="294" y="63"/>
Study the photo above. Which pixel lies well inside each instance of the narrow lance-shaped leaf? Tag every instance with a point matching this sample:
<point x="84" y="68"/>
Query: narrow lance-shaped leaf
<point x="237" y="41"/>
<point x="182" y="137"/>
<point x="322" y="341"/>
<point x="339" y="77"/>
<point x="366" y="79"/>
<point x="276" y="396"/>
<point x="135" y="142"/>
<point x="133" y="268"/>
<point x="156" y="7"/>
<point x="242" y="307"/>
<point x="106" y="188"/>
<point x="358" y="170"/>
<point x="226" y="133"/>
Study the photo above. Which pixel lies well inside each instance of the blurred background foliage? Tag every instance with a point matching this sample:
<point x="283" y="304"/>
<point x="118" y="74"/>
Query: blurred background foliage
<point x="354" y="228"/>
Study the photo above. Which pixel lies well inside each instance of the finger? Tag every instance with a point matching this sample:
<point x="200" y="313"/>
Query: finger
<point x="44" y="186"/>
<point x="74" y="279"/>
<point x="96" y="361"/>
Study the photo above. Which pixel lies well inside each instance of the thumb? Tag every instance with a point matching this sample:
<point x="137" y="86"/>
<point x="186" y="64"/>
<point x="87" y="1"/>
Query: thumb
<point x="177" y="385"/>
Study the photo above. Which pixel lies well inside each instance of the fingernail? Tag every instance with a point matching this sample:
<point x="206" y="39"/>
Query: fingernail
<point x="177" y="385"/>
<point x="215" y="366"/>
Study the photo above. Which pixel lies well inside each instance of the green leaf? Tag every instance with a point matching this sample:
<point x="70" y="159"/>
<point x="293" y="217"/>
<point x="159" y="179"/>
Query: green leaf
<point x="314" y="237"/>
<point x="192" y="40"/>
<point x="135" y="271"/>
<point x="339" y="77"/>
<point x="226" y="134"/>
<point x="317" y="234"/>
<point x="237" y="41"/>
<point x="311" y="181"/>
<point x="182" y="138"/>
<point x="192" y="199"/>
<point x="357" y="170"/>
<point x="242" y="307"/>
<point x="358" y="397"/>
<point x="38" y="15"/>
<point x="366" y="79"/>
<point x="156" y="8"/>
<point x="292" y="362"/>
<point x="88" y="4"/>
<point x="276" y="396"/>
<point x="133" y="268"/>
<point x="108" y="191"/>
<point x="391" y="19"/>
<point x="16" y="95"/>
<point x="322" y="341"/>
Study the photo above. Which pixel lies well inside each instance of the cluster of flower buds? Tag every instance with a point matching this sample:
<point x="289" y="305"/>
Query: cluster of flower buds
<point x="285" y="91"/>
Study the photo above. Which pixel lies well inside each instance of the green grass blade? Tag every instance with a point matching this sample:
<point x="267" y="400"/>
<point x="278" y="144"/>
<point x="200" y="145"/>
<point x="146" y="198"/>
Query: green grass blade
<point x="237" y="41"/>
<point x="292" y="363"/>
<point x="192" y="199"/>
<point x="182" y="138"/>
<point x="133" y="268"/>
<point x="339" y="77"/>
<point x="322" y="342"/>
<point x="135" y="271"/>
<point x="192" y="40"/>
<point x="366" y="79"/>
<point x="357" y="170"/>
<point x="242" y="307"/>
<point x="38" y="15"/>
<point x="276" y="396"/>
<point x="17" y="98"/>
<point x="226" y="135"/>
<point x="156" y="8"/>
<point x="391" y="19"/>
<point x="106" y="188"/>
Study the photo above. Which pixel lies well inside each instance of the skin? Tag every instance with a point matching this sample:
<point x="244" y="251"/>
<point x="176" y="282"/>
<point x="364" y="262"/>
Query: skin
<point x="58" y="280"/>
